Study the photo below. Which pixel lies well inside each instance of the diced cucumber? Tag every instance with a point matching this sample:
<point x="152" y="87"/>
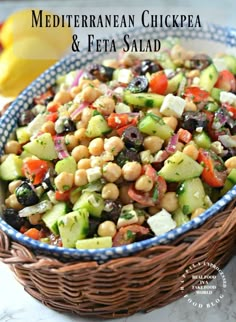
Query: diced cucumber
<point x="152" y="124"/>
<point x="179" y="217"/>
<point x="212" y="106"/>
<point x="73" y="226"/>
<point x="230" y="62"/>
<point x="11" y="167"/>
<point x="180" y="167"/>
<point x="66" y="165"/>
<point x="94" y="243"/>
<point x="22" y="134"/>
<point x="92" y="202"/>
<point x="42" y="147"/>
<point x="174" y="82"/>
<point x="36" y="124"/>
<point x="202" y="140"/>
<point x="143" y="99"/>
<point x="25" y="154"/>
<point x="208" y="77"/>
<point x="51" y="216"/>
<point x="229" y="183"/>
<point x="191" y="195"/>
<point x="215" y="93"/>
<point x="97" y="126"/>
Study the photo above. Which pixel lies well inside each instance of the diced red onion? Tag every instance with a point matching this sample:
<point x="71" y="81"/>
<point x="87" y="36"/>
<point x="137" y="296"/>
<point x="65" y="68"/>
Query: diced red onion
<point x="161" y="156"/>
<point x="39" y="208"/>
<point x="77" y="77"/>
<point x="227" y="141"/>
<point x="171" y="147"/>
<point x="60" y="147"/>
<point x="78" y="110"/>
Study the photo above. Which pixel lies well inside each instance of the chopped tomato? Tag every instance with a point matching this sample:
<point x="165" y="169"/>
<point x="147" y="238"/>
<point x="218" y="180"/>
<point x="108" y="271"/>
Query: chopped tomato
<point x="213" y="173"/>
<point x="53" y="107"/>
<point x="231" y="109"/>
<point x="184" y="135"/>
<point x="127" y="235"/>
<point x="133" y="122"/>
<point x="41" y="99"/>
<point x="62" y="196"/>
<point x="52" y="117"/>
<point x="226" y="81"/>
<point x="196" y="94"/>
<point x="35" y="170"/>
<point x="116" y="121"/>
<point x="158" y="82"/>
<point x="33" y="233"/>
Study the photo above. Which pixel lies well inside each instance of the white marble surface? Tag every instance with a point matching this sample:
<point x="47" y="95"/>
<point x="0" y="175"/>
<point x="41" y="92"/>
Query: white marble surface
<point x="15" y="304"/>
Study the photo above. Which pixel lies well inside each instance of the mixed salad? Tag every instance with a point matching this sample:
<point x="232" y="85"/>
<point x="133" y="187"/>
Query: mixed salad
<point x="125" y="150"/>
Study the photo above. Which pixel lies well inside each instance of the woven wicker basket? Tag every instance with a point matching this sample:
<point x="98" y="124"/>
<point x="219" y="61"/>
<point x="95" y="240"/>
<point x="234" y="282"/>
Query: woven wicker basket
<point x="124" y="286"/>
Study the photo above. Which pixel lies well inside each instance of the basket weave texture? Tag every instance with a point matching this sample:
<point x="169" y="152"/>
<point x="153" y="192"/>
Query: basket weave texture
<point x="121" y="287"/>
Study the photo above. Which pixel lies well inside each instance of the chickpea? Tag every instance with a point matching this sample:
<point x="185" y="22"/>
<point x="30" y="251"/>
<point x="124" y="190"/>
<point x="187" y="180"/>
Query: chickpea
<point x="230" y="163"/>
<point x="80" y="178"/>
<point x="90" y="94"/>
<point x="35" y="219"/>
<point x="86" y="115"/>
<point x="179" y="146"/>
<point x="141" y="219"/>
<point x="49" y="127"/>
<point x="193" y="73"/>
<point x="191" y="151"/>
<point x="171" y="121"/>
<point x="131" y="170"/>
<point x="190" y="106"/>
<point x="12" y="202"/>
<point x="107" y="228"/>
<point x="111" y="172"/>
<point x="64" y="181"/>
<point x="80" y="152"/>
<point x="62" y="97"/>
<point x="71" y="141"/>
<point x="169" y="201"/>
<point x="74" y="91"/>
<point x="12" y="147"/>
<point x="13" y="185"/>
<point x="114" y="145"/>
<point x="80" y="125"/>
<point x="80" y="133"/>
<point x="105" y="105"/>
<point x="110" y="191"/>
<point x="96" y="146"/>
<point x="197" y="212"/>
<point x="153" y="143"/>
<point x="84" y="164"/>
<point x="144" y="183"/>
<point x="124" y="197"/>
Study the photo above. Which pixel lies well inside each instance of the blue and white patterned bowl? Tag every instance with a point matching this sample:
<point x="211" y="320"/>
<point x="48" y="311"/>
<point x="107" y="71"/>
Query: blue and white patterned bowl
<point x="209" y="39"/>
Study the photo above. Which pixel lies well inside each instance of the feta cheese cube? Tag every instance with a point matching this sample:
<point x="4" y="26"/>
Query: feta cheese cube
<point x="94" y="174"/>
<point x="122" y="108"/>
<point x="124" y="75"/>
<point x="161" y="222"/>
<point x="128" y="216"/>
<point x="173" y="106"/>
<point x="226" y="97"/>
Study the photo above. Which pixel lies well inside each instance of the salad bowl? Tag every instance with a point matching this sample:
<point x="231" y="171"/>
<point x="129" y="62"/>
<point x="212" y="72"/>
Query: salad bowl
<point x="210" y="39"/>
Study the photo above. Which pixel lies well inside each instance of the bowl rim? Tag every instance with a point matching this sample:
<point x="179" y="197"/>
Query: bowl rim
<point x="39" y="86"/>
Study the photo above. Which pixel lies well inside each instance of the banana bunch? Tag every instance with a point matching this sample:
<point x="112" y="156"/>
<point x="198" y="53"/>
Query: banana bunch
<point x="28" y="51"/>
